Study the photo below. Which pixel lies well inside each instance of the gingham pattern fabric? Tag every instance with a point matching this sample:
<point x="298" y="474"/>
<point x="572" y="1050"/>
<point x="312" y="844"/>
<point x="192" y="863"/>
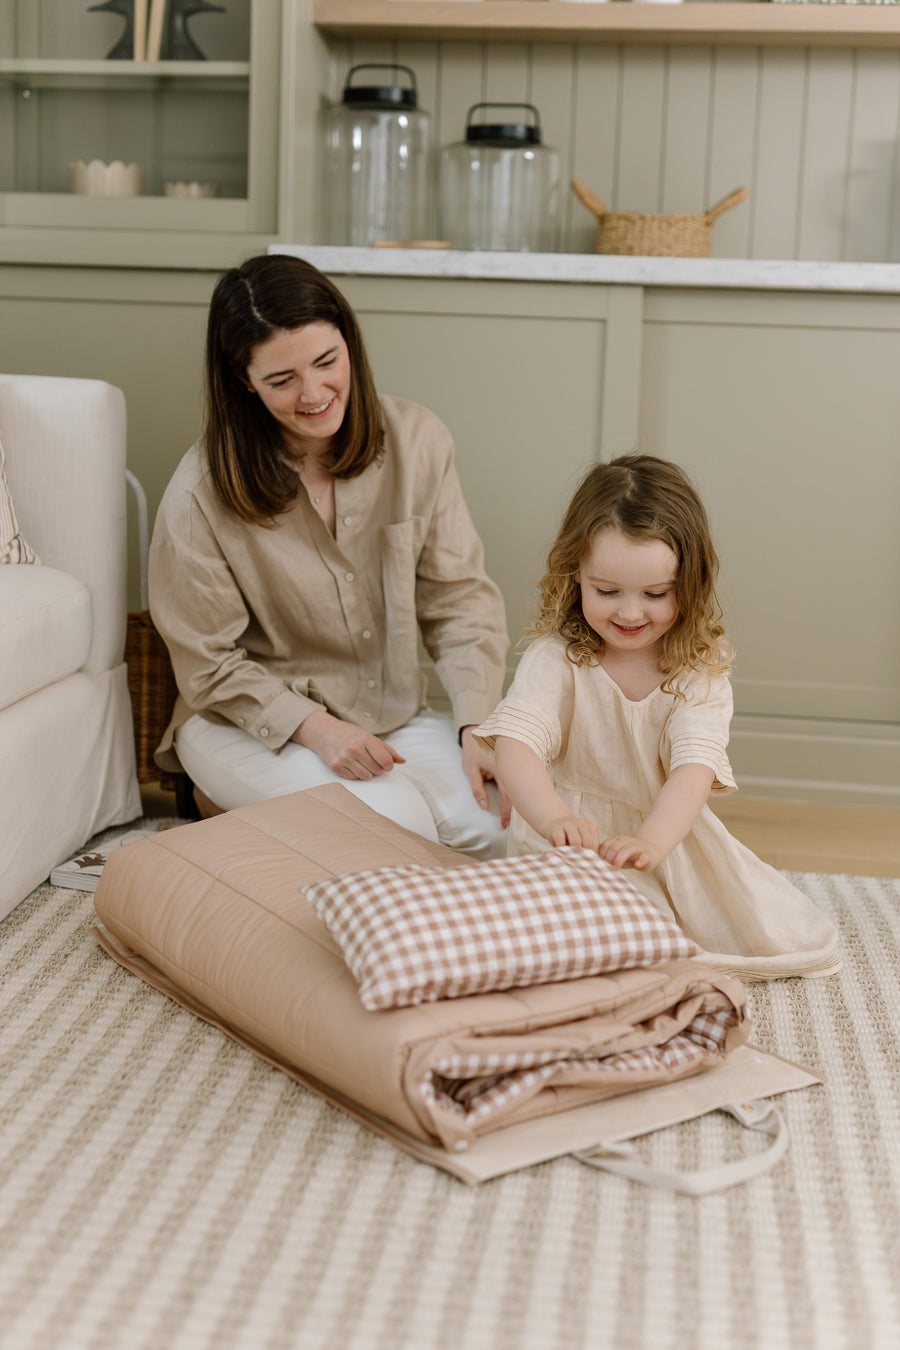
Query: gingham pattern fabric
<point x="478" y="1086"/>
<point x="413" y="934"/>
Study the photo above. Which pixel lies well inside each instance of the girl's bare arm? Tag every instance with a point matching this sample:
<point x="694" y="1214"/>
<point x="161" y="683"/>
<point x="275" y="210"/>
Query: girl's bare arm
<point x="678" y="805"/>
<point x="532" y="794"/>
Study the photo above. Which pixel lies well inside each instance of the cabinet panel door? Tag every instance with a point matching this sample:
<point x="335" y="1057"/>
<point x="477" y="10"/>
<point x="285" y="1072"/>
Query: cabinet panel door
<point x="516" y="373"/>
<point x="787" y="413"/>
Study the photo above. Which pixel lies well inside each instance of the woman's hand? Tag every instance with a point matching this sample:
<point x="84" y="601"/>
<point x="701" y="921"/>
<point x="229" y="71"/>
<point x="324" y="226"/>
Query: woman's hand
<point x="348" y="750"/>
<point x="480" y="767"/>
<point x="628" y="850"/>
<point x="573" y="830"/>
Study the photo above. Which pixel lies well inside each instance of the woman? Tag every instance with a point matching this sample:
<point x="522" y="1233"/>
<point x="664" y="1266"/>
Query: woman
<point x="301" y="548"/>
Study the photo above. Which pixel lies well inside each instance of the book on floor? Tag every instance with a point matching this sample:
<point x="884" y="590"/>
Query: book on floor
<point x="82" y="871"/>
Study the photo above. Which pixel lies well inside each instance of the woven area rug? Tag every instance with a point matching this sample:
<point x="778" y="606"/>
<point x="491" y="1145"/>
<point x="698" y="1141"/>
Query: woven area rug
<point x="163" y="1189"/>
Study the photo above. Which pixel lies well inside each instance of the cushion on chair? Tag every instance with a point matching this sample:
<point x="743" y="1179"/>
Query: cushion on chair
<point x="46" y="622"/>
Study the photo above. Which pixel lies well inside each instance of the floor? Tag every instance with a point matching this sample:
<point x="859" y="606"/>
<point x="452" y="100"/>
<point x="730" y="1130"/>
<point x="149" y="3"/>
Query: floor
<point x="792" y="836"/>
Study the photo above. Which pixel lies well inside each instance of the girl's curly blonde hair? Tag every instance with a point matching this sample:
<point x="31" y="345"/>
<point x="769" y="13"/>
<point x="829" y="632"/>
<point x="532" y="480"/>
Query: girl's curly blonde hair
<point x="643" y="498"/>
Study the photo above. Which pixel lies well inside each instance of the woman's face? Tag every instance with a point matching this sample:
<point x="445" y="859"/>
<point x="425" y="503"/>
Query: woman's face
<point x="303" y="377"/>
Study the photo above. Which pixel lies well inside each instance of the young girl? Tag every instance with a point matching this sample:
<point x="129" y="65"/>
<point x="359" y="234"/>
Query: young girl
<point x="615" y="729"/>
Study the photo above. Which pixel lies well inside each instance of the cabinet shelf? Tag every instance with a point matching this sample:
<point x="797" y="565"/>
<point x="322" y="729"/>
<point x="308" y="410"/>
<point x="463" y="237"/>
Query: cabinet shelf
<point x="115" y="75"/>
<point x="744" y="22"/>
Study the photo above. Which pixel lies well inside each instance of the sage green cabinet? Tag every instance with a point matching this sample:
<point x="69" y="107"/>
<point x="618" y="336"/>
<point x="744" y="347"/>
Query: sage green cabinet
<point x="207" y="121"/>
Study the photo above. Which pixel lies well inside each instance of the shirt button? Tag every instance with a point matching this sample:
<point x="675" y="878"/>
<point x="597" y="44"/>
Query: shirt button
<point x="348" y="576"/>
<point x="348" y="520"/>
<point x="264" y="732"/>
<point x="370" y="683"/>
<point x="367" y="632"/>
<point x="241" y="722"/>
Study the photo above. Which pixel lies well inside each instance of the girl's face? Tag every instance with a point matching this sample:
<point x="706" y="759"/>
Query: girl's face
<point x="303" y="377"/>
<point x="628" y="591"/>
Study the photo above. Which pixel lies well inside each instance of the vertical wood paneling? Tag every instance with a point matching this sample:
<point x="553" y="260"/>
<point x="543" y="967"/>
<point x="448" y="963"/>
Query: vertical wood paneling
<point x="552" y="65"/>
<point x="461" y="84"/>
<point x="336" y="75"/>
<point x="686" y="130"/>
<point x="779" y="154"/>
<point x="638" y="184"/>
<point x="507" y="72"/>
<point x="732" y="145"/>
<point x="7" y="140"/>
<point x="894" y="236"/>
<point x="424" y="61"/>
<point x="595" y="137"/>
<point x="872" y="168"/>
<point x="368" y="50"/>
<point x="813" y="134"/>
<point x="826" y="151"/>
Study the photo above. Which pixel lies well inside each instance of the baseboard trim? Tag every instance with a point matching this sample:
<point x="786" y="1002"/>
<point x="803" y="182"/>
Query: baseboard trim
<point x="827" y="763"/>
<point x="814" y="792"/>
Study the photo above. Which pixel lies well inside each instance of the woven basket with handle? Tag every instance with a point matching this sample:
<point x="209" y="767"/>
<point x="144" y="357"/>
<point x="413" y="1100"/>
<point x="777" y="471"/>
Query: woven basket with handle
<point x="151" y="682"/>
<point x="639" y="233"/>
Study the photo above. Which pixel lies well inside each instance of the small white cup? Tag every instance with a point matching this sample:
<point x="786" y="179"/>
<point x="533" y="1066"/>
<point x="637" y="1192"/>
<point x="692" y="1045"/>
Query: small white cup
<point x="99" y="179"/>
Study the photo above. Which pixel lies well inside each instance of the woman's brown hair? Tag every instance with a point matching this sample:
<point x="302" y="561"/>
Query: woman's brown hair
<point x="643" y="498"/>
<point x="269" y="294"/>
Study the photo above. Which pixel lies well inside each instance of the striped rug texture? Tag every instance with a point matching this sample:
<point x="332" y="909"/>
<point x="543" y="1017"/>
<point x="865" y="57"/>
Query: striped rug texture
<point x="163" y="1189"/>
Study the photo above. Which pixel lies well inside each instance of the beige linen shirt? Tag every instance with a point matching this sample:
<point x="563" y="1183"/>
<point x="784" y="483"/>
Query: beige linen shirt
<point x="266" y="625"/>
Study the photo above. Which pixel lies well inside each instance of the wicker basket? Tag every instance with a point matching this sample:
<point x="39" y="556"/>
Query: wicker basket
<point x="681" y="235"/>
<point x="151" y="682"/>
<point x="153" y="692"/>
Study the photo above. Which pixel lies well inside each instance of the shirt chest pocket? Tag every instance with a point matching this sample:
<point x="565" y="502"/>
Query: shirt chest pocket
<point x="399" y="563"/>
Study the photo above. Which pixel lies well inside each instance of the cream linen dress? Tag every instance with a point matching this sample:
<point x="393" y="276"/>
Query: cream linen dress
<point x="608" y="758"/>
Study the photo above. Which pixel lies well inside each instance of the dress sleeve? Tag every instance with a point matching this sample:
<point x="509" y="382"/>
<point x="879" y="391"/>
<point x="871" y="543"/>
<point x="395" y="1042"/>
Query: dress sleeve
<point x="697" y="730"/>
<point x="538" y="705"/>
<point x="459" y="609"/>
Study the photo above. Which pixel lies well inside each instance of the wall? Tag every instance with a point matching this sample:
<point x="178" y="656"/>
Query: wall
<point x="813" y="133"/>
<point x="783" y="407"/>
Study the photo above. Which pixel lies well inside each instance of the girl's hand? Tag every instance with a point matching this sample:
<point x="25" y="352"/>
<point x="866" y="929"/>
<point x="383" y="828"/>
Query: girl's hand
<point x="348" y="750"/>
<point x="480" y="767"/>
<point x="627" y="850"/>
<point x="572" y="830"/>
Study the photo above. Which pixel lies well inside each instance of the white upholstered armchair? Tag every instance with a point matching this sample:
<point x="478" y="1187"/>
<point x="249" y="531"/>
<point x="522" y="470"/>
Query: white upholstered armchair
<point x="66" y="743"/>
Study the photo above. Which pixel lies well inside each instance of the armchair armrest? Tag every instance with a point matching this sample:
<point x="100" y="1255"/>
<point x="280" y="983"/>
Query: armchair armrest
<point x="65" y="442"/>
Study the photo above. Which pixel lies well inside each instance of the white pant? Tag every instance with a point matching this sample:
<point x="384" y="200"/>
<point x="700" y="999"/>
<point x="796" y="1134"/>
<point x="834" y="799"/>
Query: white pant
<point x="429" y="794"/>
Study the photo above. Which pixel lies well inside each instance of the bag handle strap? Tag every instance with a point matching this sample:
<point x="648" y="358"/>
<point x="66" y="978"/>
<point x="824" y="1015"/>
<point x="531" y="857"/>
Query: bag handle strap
<point x="757" y="1115"/>
<point x="140" y="498"/>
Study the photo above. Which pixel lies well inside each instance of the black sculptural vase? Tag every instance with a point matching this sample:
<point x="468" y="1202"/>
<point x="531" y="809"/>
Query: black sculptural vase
<point x="124" y="48"/>
<point x="179" y="45"/>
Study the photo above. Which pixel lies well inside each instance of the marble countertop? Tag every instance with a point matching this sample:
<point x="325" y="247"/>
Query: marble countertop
<point x="602" y="269"/>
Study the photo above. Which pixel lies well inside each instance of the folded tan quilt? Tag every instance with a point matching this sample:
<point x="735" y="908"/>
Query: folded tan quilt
<point x="216" y="915"/>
